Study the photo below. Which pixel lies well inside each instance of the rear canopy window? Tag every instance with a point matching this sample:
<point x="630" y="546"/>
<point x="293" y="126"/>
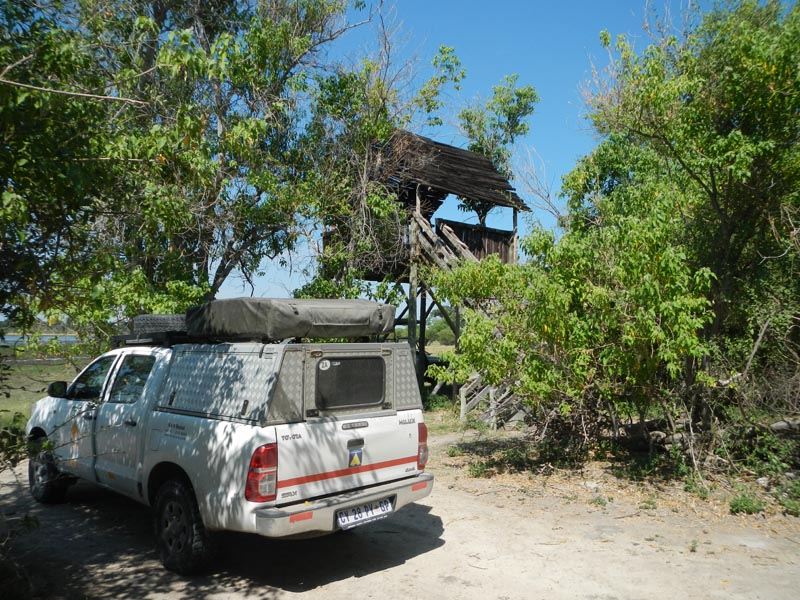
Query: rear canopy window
<point x="351" y="381"/>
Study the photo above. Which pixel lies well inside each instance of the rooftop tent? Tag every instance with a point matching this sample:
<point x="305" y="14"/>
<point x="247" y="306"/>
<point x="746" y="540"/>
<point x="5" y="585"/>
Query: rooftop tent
<point x="282" y="318"/>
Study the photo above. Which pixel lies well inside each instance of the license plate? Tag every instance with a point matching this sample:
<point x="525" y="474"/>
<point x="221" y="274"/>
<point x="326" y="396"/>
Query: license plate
<point x="364" y="513"/>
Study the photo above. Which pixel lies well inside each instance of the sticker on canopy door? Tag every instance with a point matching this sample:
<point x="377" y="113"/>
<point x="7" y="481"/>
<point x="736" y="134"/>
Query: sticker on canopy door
<point x="324" y="365"/>
<point x="356" y="457"/>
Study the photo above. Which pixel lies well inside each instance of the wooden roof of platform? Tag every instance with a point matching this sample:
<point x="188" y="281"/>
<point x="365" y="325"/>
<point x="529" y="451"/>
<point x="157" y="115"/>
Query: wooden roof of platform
<point x="414" y="159"/>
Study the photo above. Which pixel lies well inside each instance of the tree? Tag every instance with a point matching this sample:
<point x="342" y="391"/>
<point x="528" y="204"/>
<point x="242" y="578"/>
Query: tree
<point x="720" y="111"/>
<point x="601" y="322"/>
<point x="48" y="176"/>
<point x="356" y="113"/>
<point x="492" y="129"/>
<point x="678" y="259"/>
<point x="189" y="160"/>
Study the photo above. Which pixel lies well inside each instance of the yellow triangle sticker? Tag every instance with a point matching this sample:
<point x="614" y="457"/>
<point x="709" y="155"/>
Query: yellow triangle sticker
<point x="355" y="458"/>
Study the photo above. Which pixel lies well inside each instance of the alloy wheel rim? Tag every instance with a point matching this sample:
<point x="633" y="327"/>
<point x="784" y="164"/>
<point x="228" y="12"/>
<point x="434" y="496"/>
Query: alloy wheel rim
<point x="175" y="526"/>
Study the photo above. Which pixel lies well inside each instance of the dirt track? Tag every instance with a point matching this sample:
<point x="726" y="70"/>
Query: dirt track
<point x="519" y="537"/>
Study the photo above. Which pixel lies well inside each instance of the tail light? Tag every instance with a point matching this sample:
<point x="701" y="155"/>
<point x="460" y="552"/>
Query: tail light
<point x="262" y="477"/>
<point x="422" y="448"/>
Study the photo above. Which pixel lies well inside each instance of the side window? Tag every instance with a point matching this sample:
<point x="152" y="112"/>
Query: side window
<point x="89" y="385"/>
<point x="131" y="378"/>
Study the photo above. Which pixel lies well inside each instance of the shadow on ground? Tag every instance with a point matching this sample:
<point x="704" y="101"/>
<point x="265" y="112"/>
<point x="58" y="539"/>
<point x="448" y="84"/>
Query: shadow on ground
<point x="100" y="545"/>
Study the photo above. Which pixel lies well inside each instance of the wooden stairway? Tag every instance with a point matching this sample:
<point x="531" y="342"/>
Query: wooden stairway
<point x="497" y="404"/>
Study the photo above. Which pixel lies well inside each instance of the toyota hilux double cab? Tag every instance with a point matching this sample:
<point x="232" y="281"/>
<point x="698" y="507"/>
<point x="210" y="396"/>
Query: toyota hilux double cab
<point x="228" y="418"/>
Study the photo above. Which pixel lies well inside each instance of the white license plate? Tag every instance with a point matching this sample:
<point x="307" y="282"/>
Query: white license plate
<point x="364" y="513"/>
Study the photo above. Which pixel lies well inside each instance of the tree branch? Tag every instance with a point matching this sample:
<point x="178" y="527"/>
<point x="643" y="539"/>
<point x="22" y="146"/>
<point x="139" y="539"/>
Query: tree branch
<point x="73" y="94"/>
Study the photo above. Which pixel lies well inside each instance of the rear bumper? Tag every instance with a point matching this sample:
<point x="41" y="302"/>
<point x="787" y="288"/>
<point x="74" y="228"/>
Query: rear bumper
<point x="319" y="516"/>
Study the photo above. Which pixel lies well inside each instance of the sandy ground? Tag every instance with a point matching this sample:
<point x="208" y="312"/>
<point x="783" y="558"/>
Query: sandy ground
<point x="585" y="536"/>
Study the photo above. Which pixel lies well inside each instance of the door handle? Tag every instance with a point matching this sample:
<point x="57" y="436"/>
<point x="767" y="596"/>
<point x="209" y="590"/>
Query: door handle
<point x="88" y="416"/>
<point x="130" y="423"/>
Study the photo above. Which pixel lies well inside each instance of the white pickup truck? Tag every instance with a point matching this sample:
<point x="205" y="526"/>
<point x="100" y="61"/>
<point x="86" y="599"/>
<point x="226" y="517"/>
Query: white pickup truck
<point x="216" y="431"/>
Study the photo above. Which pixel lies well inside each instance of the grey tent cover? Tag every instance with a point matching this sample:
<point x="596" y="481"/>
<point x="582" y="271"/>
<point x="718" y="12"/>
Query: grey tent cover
<point x="281" y="318"/>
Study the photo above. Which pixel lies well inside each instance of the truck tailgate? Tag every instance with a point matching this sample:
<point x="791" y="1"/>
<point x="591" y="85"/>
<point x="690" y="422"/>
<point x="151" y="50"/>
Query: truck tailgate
<point x="327" y="456"/>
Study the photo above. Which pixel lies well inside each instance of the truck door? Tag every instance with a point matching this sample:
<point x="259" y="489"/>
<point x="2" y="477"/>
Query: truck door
<point x="74" y="437"/>
<point x="118" y="423"/>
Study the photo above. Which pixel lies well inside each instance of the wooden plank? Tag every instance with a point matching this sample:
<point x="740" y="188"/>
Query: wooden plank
<point x="481" y="395"/>
<point x="456" y="243"/>
<point x="443" y="312"/>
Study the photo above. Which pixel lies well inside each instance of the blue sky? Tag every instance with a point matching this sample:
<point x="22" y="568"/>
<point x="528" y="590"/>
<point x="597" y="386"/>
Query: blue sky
<point x="550" y="45"/>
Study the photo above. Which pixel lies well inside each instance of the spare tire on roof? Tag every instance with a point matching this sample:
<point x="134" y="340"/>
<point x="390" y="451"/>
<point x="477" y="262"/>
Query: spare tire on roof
<point x="158" y="324"/>
<point x="282" y="318"/>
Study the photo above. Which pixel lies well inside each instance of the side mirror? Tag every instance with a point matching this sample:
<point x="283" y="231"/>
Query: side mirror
<point x="57" y="389"/>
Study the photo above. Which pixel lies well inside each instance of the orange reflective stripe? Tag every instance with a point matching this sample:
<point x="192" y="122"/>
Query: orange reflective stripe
<point x="345" y="472"/>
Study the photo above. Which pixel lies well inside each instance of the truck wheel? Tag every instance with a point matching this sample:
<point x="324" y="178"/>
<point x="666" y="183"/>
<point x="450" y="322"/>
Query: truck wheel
<point x="182" y="539"/>
<point x="46" y="483"/>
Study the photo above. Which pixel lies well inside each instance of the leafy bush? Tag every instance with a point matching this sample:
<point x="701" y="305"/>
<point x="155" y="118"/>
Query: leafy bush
<point x="437" y="402"/>
<point x="745" y="502"/>
<point x="13" y="443"/>
<point x="761" y="450"/>
<point x="789" y="497"/>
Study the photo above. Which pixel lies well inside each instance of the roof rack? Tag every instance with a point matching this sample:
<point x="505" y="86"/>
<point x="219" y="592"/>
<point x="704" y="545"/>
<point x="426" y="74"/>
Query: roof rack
<point x="168" y="339"/>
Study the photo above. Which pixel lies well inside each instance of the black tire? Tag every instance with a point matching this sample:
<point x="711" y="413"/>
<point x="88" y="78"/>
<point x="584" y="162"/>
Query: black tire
<point x="183" y="542"/>
<point x="47" y="485"/>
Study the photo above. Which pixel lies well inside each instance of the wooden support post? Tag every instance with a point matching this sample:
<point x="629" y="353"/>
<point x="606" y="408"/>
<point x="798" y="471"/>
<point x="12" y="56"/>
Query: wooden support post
<point x="413" y="282"/>
<point x="457" y="332"/>
<point x="422" y="359"/>
<point x="515" y="239"/>
<point x="448" y="319"/>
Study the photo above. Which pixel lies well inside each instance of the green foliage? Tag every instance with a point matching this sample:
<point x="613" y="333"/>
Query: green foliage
<point x="355" y="115"/>
<point x="718" y="112"/>
<point x="191" y="157"/>
<point x="13" y="443"/>
<point x="478" y="469"/>
<point x="449" y="72"/>
<point x="646" y="466"/>
<point x="493" y="127"/>
<point x="678" y="262"/>
<point x="695" y="486"/>
<point x="745" y="502"/>
<point x="607" y="315"/>
<point x="46" y="181"/>
<point x="453" y="451"/>
<point x="789" y="497"/>
<point x="437" y="402"/>
<point x="437" y="330"/>
<point x="760" y="450"/>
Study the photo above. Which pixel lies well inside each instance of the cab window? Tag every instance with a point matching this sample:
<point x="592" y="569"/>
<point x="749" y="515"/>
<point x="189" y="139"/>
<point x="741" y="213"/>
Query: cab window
<point x="130" y="380"/>
<point x="89" y="384"/>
